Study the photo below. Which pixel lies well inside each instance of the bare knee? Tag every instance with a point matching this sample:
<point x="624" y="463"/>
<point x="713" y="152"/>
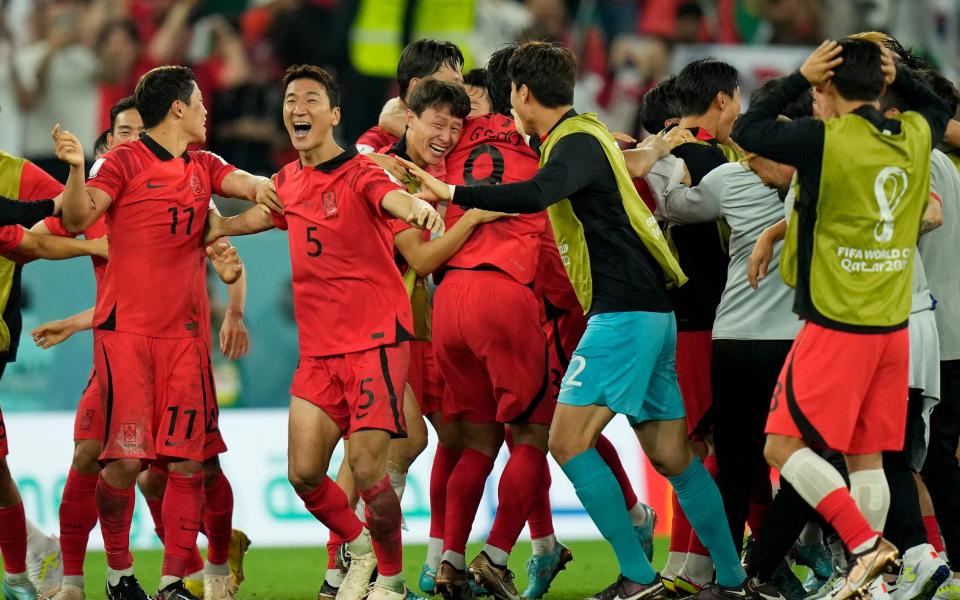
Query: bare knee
<point x="152" y="483"/>
<point x="306" y="477"/>
<point x="531" y="434"/>
<point x="86" y="456"/>
<point x="122" y="473"/>
<point x="449" y="434"/>
<point x="779" y="448"/>
<point x="367" y="467"/>
<point x="564" y="447"/>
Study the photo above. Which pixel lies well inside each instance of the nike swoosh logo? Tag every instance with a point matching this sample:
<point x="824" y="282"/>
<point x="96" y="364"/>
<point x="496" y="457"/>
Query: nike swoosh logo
<point x="150" y="186"/>
<point x="171" y="444"/>
<point x="361" y="415"/>
<point x="769" y="597"/>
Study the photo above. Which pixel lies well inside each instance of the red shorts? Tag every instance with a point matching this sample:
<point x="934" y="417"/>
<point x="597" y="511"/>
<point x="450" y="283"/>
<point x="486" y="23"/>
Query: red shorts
<point x="491" y="349"/>
<point x="563" y="330"/>
<point x="359" y="390"/>
<point x="694" y="354"/>
<point x="213" y="445"/>
<point x="844" y="391"/>
<point x="424" y="377"/>
<point x="155" y="394"/>
<point x="4" y="450"/>
<point x="88" y="423"/>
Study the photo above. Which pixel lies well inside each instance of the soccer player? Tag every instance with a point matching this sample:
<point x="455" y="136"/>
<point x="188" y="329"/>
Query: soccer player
<point x="78" y="513"/>
<point x="659" y="109"/>
<point x="147" y="331"/>
<point x="618" y="263"/>
<point x="420" y="59"/>
<point x="354" y="320"/>
<point x="475" y="82"/>
<point x="856" y="166"/>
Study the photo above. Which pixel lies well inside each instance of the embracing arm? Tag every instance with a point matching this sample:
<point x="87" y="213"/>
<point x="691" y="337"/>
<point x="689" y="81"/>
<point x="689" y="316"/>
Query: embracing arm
<point x="252" y="220"/>
<point x="425" y="257"/>
<point x="16" y="212"/>
<point x="49" y="247"/>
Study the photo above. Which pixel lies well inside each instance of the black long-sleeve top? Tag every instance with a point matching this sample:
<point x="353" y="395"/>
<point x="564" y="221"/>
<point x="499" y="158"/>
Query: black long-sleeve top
<point x="15" y="212"/>
<point x="625" y="275"/>
<point x="800" y="143"/>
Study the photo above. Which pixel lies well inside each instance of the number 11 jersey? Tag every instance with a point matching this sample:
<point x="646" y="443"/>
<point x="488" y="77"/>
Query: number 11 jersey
<point x="155" y="223"/>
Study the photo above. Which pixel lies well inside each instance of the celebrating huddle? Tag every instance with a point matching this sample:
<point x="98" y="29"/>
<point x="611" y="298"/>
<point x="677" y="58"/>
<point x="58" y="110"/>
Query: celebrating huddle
<point x="563" y="297"/>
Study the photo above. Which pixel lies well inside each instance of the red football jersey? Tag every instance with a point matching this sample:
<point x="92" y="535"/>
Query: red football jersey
<point x="374" y="138"/>
<point x="10" y="237"/>
<point x="490" y="152"/>
<point x="348" y="295"/>
<point x="156" y="223"/>
<point x="95" y="231"/>
<point x="36" y="184"/>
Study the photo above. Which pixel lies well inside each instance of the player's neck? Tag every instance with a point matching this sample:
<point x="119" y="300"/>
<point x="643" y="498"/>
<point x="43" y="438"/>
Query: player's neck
<point x="547" y="118"/>
<point x="170" y="139"/>
<point x="707" y="121"/>
<point x="320" y="153"/>
<point x="845" y="107"/>
<point x="413" y="151"/>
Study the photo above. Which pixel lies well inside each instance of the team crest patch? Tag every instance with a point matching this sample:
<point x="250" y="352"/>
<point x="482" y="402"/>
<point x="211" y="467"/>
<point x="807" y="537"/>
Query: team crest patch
<point x="131" y="434"/>
<point x="330" y="204"/>
<point x="86" y="421"/>
<point x="197" y="185"/>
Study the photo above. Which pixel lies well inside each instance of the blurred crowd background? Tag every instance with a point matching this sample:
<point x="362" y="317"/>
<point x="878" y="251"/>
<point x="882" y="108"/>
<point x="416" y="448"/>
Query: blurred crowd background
<point x="68" y="61"/>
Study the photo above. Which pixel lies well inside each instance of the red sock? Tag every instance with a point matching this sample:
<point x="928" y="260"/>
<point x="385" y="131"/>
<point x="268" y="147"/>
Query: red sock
<point x="839" y="509"/>
<point x="464" y="490"/>
<point x="115" y="511"/>
<point x="694" y="545"/>
<point x="78" y="517"/>
<point x="195" y="562"/>
<point x="13" y="538"/>
<point x="933" y="533"/>
<point x="329" y="505"/>
<point x="156" y="511"/>
<point x="541" y="519"/>
<point x="333" y="546"/>
<point x="182" y="512"/>
<point x="519" y="487"/>
<point x="218" y="519"/>
<point x="609" y="455"/>
<point x="383" y="520"/>
<point x="443" y="463"/>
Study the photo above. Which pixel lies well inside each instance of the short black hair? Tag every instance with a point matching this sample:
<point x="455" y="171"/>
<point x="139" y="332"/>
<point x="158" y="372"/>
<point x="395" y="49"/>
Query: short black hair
<point x="943" y="87"/>
<point x="159" y="88"/>
<point x="859" y="76"/>
<point x="101" y="146"/>
<point x="476" y="78"/>
<point x="121" y="105"/>
<point x="548" y="70"/>
<point x="498" y="79"/>
<point x="436" y="94"/>
<point x="658" y="105"/>
<point x="699" y="82"/>
<point x="317" y="74"/>
<point x="801" y="107"/>
<point x="423" y="58"/>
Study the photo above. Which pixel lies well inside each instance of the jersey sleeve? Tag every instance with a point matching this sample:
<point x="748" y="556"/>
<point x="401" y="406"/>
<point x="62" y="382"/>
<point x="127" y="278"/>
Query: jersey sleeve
<point x="108" y="174"/>
<point x="216" y="167"/>
<point x="55" y="226"/>
<point x="375" y="183"/>
<point x="36" y="184"/>
<point x="398" y="226"/>
<point x="279" y="221"/>
<point x="10" y="237"/>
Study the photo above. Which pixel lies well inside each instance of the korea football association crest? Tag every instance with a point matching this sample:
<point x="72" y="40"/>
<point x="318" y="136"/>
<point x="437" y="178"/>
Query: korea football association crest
<point x="329" y="204"/>
<point x="197" y="185"/>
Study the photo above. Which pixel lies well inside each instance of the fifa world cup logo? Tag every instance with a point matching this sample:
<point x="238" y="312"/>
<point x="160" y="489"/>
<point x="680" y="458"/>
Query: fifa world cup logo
<point x="888" y="188"/>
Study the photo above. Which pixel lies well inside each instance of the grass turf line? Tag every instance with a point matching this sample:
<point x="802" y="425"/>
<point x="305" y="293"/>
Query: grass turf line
<point x="296" y="573"/>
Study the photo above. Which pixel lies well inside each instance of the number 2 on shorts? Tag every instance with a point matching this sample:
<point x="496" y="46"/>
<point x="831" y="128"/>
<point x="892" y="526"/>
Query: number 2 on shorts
<point x="577" y="365"/>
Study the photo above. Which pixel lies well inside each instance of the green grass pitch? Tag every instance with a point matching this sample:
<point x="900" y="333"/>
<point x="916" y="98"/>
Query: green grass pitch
<point x="296" y="573"/>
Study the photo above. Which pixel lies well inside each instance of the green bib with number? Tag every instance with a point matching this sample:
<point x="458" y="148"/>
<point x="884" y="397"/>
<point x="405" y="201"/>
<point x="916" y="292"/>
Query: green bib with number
<point x="10" y="169"/>
<point x="874" y="188"/>
<point x="568" y="230"/>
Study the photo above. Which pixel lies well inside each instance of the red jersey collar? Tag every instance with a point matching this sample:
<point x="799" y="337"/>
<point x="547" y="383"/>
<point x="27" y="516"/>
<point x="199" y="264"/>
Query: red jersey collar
<point x="337" y="161"/>
<point x="159" y="151"/>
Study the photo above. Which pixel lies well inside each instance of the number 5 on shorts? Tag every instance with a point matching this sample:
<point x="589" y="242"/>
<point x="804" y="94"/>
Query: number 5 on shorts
<point x="370" y="398"/>
<point x="577" y="365"/>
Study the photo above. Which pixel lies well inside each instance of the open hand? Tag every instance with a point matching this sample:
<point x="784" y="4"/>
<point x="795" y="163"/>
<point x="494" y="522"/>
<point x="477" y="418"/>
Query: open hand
<point x="67" y="147"/>
<point x="225" y="261"/>
<point x="819" y="66"/>
<point x="234" y="339"/>
<point x="50" y="334"/>
<point x="425" y="216"/>
<point x="267" y="195"/>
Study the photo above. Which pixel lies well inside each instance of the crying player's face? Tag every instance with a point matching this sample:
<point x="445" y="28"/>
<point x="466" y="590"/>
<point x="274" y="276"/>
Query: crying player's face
<point x="307" y="113"/>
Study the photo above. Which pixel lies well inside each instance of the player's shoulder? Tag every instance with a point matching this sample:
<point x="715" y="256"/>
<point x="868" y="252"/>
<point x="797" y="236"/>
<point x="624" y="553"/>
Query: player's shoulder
<point x="207" y="158"/>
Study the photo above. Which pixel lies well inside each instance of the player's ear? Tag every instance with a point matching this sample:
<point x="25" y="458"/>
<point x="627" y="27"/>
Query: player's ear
<point x="334" y="116"/>
<point x="410" y="117"/>
<point x="721" y="99"/>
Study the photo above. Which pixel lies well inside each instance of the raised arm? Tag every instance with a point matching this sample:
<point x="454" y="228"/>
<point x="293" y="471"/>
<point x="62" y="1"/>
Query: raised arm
<point x="81" y="205"/>
<point x="425" y="257"/>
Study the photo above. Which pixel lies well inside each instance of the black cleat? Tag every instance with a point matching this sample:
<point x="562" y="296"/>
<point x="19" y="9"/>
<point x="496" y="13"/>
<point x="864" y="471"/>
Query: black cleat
<point x="128" y="588"/>
<point x="748" y="590"/>
<point x="626" y="589"/>
<point x="327" y="592"/>
<point x="176" y="591"/>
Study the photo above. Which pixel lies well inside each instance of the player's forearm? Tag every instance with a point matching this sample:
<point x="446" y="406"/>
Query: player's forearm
<point x="78" y="210"/>
<point x="50" y="247"/>
<point x="253" y="220"/>
<point x="640" y="160"/>
<point x="427" y="257"/>
<point x="237" y="296"/>
<point x="393" y="118"/>
<point x="399" y="204"/>
<point x="776" y="232"/>
<point x="242" y="185"/>
<point x="81" y="321"/>
<point x="15" y="212"/>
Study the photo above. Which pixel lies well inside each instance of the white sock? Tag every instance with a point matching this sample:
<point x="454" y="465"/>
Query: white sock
<point x="872" y="494"/>
<point x="361" y="544"/>
<point x="697" y="569"/>
<point x="198" y="575"/>
<point x="334" y="577"/>
<point x="812" y="477"/>
<point x="210" y="568"/>
<point x="638" y="514"/>
<point x="361" y="510"/>
<point x="391" y="582"/>
<point x="675" y="562"/>
<point x="398" y="481"/>
<point x="811" y="534"/>
<point x="434" y="550"/>
<point x="458" y="560"/>
<point x="498" y="556"/>
<point x="838" y="553"/>
<point x="113" y="577"/>
<point x="166" y="580"/>
<point x="544" y="545"/>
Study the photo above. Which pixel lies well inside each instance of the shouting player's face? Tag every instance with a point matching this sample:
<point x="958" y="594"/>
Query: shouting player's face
<point x="432" y="135"/>
<point x="307" y="114"/>
<point x="128" y="126"/>
<point x="194" y="116"/>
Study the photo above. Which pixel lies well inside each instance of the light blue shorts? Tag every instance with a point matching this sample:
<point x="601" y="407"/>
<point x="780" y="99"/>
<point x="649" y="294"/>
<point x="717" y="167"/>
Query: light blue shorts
<point x="626" y="361"/>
